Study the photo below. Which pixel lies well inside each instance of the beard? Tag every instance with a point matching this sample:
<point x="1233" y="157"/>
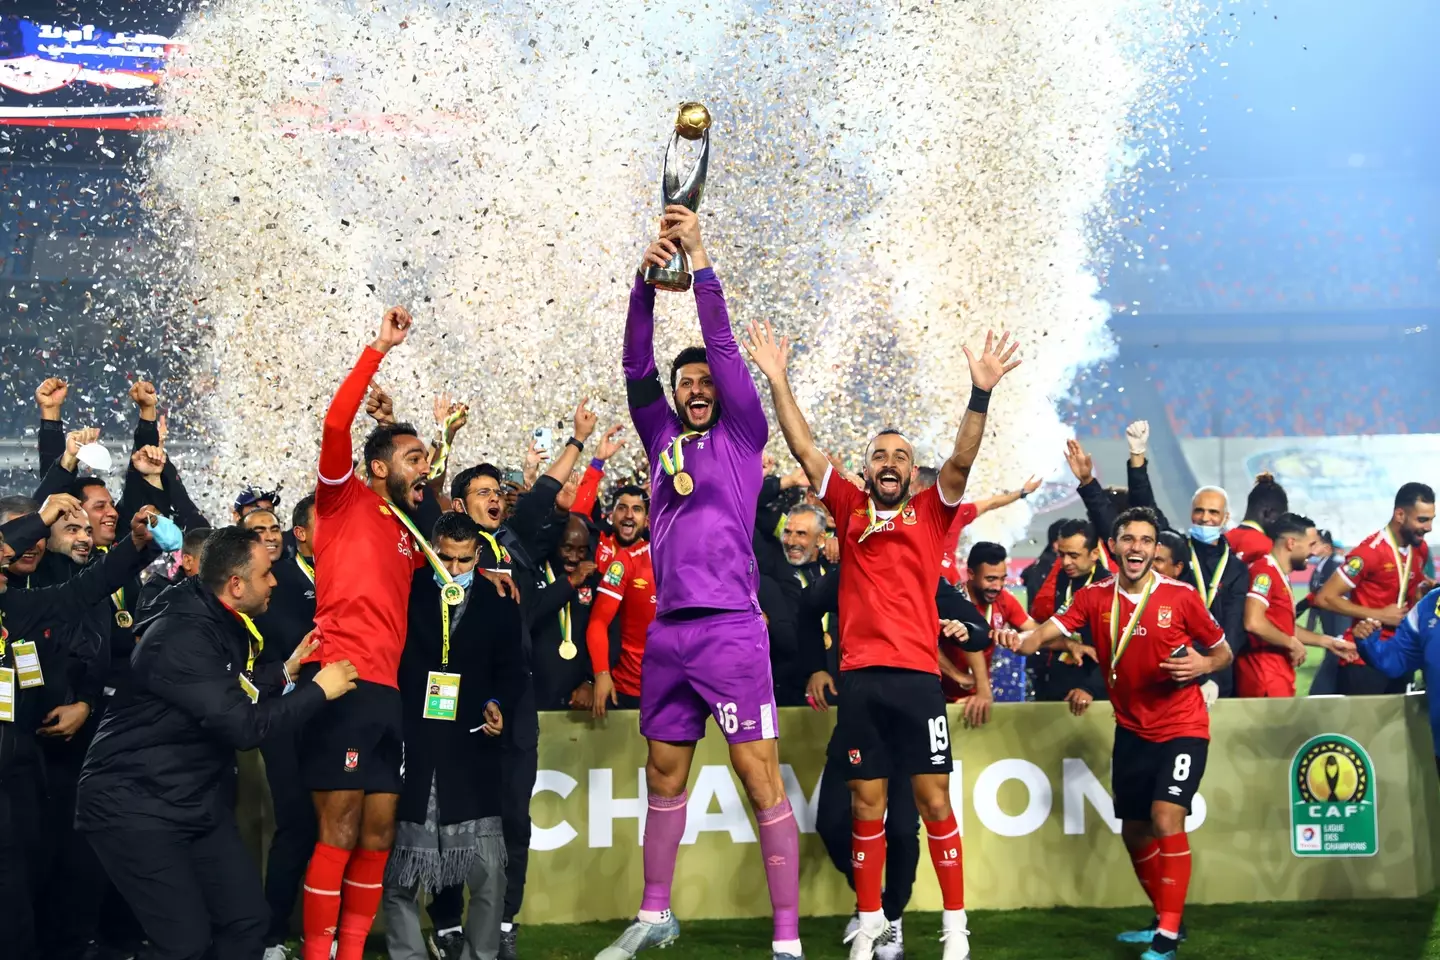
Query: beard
<point x="684" y="412"/>
<point x="901" y="492"/>
<point x="399" y="490"/>
<point x="1299" y="563"/>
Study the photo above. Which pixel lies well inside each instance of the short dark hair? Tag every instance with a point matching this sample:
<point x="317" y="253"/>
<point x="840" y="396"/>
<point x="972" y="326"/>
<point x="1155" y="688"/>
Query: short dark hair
<point x="1135" y="515"/>
<point x="1287" y="524"/>
<point x="684" y="358"/>
<point x="303" y="509"/>
<point x="1178" y="546"/>
<point x="460" y="486"/>
<point x="630" y="490"/>
<point x="1413" y="493"/>
<point x="226" y="554"/>
<point x="1119" y="498"/>
<point x="78" y="488"/>
<point x="380" y="445"/>
<point x="456" y="526"/>
<point x="928" y="476"/>
<point x="1267" y="500"/>
<point x="1072" y="527"/>
<point x="1053" y="532"/>
<point x="17" y="506"/>
<point x="194" y="543"/>
<point x="985" y="552"/>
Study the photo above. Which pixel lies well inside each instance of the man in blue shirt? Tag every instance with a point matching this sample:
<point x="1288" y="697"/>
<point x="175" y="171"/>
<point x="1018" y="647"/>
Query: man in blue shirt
<point x="1414" y="646"/>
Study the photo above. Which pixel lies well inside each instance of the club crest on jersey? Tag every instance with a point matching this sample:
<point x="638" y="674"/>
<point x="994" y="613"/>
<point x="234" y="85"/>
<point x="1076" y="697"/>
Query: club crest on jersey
<point x="352" y="760"/>
<point x="1353" y="566"/>
<point x="1162" y="617"/>
<point x="615" y="573"/>
<point x="907" y="516"/>
<point x="854" y="758"/>
<point x="586" y="595"/>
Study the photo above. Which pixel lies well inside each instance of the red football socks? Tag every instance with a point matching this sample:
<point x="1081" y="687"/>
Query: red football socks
<point x="1174" y="882"/>
<point x="867" y="862"/>
<point x="322" y="899"/>
<point x="947" y="854"/>
<point x="364" y="883"/>
<point x="1147" y="868"/>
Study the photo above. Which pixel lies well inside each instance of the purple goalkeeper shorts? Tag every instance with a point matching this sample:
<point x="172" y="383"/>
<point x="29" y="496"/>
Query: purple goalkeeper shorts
<point x="717" y="666"/>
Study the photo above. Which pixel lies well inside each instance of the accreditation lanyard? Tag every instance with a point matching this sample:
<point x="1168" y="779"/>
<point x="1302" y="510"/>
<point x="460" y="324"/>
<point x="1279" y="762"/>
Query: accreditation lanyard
<point x="874" y="521"/>
<point x="450" y="591"/>
<point x="258" y="642"/>
<point x="1120" y="642"/>
<point x="444" y="635"/>
<point x="1207" y="593"/>
<point x="1070" y="586"/>
<point x="805" y="582"/>
<point x="501" y="555"/>
<point x="672" y="461"/>
<point x="305" y="567"/>
<point x="1402" y="563"/>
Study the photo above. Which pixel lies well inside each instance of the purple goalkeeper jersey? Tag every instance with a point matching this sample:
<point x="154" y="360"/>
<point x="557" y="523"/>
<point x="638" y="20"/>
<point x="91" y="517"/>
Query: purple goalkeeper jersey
<point x="701" y="544"/>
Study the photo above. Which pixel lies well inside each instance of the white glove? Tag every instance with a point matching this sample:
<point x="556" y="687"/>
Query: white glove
<point x="1210" y="690"/>
<point x="1137" y="435"/>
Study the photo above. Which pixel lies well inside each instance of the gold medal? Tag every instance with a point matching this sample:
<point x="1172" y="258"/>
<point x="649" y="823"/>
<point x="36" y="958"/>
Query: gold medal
<point x="453" y="594"/>
<point x="829" y="641"/>
<point x="568" y="649"/>
<point x="684" y="483"/>
<point x="124" y="620"/>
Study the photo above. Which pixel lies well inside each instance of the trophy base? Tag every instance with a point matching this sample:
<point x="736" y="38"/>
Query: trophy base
<point x="676" y="281"/>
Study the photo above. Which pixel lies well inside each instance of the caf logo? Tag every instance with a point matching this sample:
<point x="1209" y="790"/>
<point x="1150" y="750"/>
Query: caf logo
<point x="1331" y="771"/>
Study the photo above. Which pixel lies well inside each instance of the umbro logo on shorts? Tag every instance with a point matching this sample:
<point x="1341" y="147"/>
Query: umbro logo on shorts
<point x="1174" y="790"/>
<point x="938" y="759"/>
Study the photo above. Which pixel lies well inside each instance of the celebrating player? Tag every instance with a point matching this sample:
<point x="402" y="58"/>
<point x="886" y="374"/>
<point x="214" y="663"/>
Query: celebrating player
<point x="708" y="649"/>
<point x="351" y="753"/>
<point x="1266" y="668"/>
<point x="1383" y="576"/>
<point x="1143" y="626"/>
<point x="892" y="708"/>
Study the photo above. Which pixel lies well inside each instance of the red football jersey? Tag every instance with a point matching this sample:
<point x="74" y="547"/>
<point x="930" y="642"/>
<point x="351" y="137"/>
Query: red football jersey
<point x="949" y="564"/>
<point x="1373" y="570"/>
<point x="888" y="616"/>
<point x="1270" y="585"/>
<point x="363" y="597"/>
<point x="1147" y="702"/>
<point x="1006" y="611"/>
<point x="1249" y="542"/>
<point x="627" y="586"/>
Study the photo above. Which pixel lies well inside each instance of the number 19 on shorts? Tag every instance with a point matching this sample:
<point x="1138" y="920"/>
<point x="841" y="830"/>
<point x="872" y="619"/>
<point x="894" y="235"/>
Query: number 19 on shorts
<point x="939" y="734"/>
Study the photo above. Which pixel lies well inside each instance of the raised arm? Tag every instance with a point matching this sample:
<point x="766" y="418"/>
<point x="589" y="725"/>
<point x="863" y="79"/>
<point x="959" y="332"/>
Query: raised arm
<point x="336" y="457"/>
<point x="1137" y="471"/>
<point x="1005" y="499"/>
<point x="645" y="395"/>
<point x="583" y="425"/>
<point x="50" y="398"/>
<point x="772" y="357"/>
<point x="994" y="362"/>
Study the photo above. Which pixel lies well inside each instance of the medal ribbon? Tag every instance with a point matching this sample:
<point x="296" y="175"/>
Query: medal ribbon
<point x="305" y="567"/>
<point x="875" y="523"/>
<point x="1070" y="586"/>
<point x="1119" y="643"/>
<point x="1282" y="581"/>
<point x="564" y="610"/>
<point x="1208" y="594"/>
<point x="424" y="544"/>
<point x="672" y="461"/>
<point x="437" y="469"/>
<point x="1404" y="568"/>
<point x="805" y="582"/>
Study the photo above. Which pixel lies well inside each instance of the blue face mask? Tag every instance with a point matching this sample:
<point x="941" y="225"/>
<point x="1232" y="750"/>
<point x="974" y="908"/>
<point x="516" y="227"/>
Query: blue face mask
<point x="1205" y="534"/>
<point x="464" y="579"/>
<point x="167" y="535"/>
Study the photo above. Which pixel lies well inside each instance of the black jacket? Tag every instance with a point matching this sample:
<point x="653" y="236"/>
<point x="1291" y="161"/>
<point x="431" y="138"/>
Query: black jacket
<point x="555" y="678"/>
<point x="46" y="616"/>
<point x="163" y="756"/>
<point x="485" y="651"/>
<point x="291" y="614"/>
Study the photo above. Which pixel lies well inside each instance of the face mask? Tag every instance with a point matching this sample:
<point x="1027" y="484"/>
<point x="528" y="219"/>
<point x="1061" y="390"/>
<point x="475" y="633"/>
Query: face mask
<point x="1205" y="534"/>
<point x="167" y="535"/>
<point x="1315" y="560"/>
<point x="464" y="579"/>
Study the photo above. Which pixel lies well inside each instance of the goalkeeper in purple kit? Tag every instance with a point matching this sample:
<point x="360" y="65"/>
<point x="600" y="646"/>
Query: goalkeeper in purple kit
<point x="707" y="652"/>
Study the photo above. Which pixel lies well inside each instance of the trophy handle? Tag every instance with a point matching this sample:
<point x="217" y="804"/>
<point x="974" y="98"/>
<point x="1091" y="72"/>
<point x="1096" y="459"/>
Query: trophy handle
<point x="674" y="276"/>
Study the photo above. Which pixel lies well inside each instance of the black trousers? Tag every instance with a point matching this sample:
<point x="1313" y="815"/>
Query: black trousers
<point x="75" y="886"/>
<point x="21" y="858"/>
<point x="198" y="897"/>
<point x="517" y="783"/>
<point x="1363" y="680"/>
<point x="902" y="830"/>
<point x="295" y="832"/>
